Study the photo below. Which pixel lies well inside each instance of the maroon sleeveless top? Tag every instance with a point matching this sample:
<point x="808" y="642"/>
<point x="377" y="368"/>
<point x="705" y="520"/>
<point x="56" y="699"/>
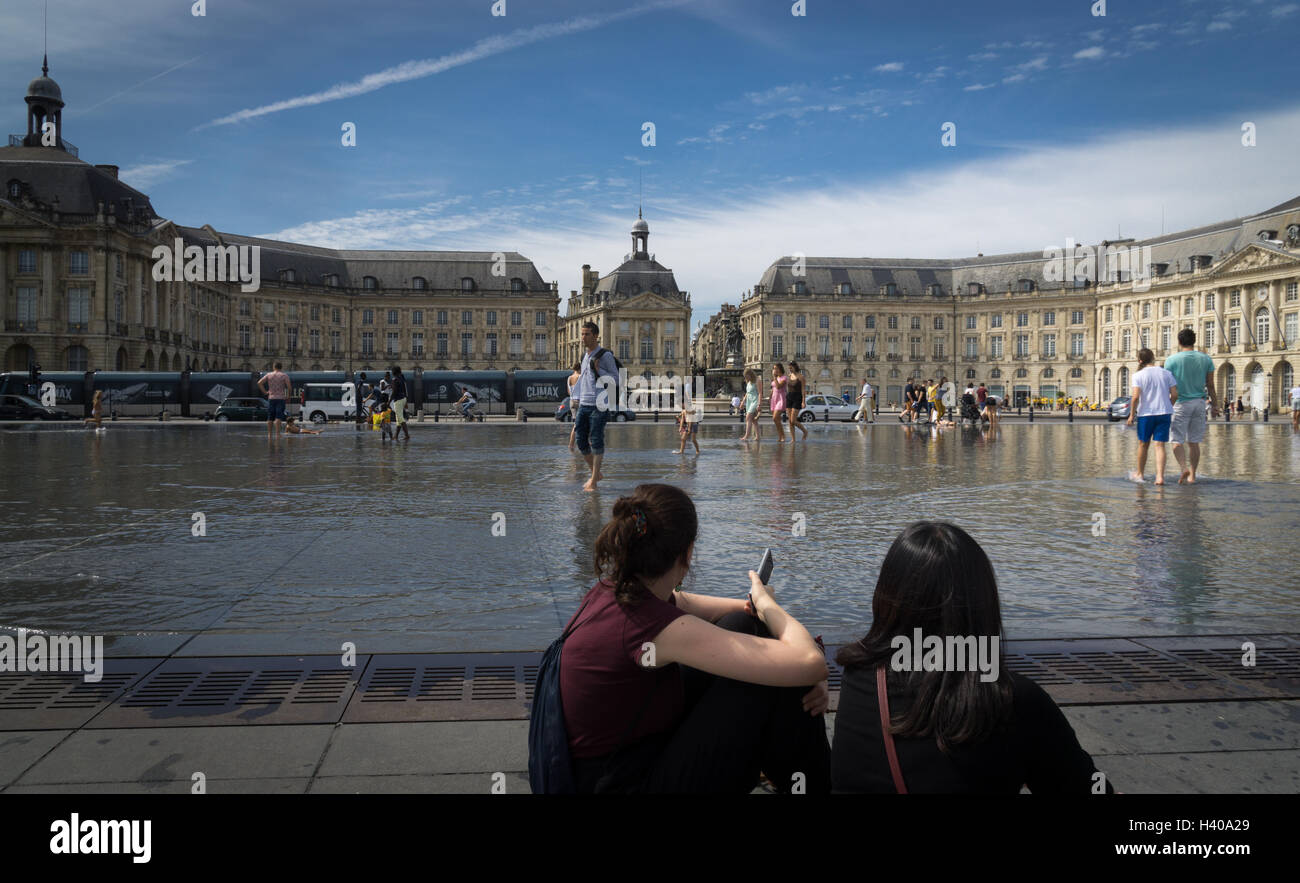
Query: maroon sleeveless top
<point x="603" y="686"/>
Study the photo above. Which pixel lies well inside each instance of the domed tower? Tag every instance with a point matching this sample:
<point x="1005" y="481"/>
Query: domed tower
<point x="640" y="239"/>
<point x="44" y="106"/>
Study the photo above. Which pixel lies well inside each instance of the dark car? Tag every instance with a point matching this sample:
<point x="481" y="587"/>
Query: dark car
<point x="564" y="413"/>
<point x="16" y="407"/>
<point x="242" y="409"/>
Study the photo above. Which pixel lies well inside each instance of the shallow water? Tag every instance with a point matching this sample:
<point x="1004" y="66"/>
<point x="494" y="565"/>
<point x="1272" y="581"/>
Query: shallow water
<point x="311" y="542"/>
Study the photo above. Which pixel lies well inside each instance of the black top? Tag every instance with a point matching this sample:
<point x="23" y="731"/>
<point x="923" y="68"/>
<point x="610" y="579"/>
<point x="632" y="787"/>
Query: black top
<point x="399" y="387"/>
<point x="1037" y="748"/>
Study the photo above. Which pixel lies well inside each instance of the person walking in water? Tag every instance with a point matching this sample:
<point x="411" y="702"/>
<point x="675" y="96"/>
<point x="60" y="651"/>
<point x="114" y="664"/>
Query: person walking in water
<point x="1194" y="376"/>
<point x="399" y="405"/>
<point x="794" y="399"/>
<point x="276" y="387"/>
<point x="778" y="400"/>
<point x="864" y="412"/>
<point x="1152" y="406"/>
<point x="593" y="404"/>
<point x="96" y="410"/>
<point x="752" y="403"/>
<point x="573" y="405"/>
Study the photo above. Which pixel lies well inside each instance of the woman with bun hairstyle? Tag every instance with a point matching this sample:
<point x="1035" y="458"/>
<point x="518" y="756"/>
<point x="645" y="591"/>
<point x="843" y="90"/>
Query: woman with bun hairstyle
<point x="968" y="725"/>
<point x="666" y="691"/>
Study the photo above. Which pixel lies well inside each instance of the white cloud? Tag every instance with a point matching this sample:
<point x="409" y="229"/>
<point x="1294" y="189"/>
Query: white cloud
<point x="414" y="70"/>
<point x="889" y="67"/>
<point x="1014" y="78"/>
<point x="976" y="87"/>
<point x="934" y="213"/>
<point x="1090" y="53"/>
<point x="145" y="175"/>
<point x="1284" y="9"/>
<point x="1218" y="26"/>
<point x="983" y="56"/>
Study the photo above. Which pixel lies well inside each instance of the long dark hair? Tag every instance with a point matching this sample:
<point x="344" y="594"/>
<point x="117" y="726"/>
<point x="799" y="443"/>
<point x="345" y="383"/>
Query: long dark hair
<point x="936" y="578"/>
<point x="649" y="533"/>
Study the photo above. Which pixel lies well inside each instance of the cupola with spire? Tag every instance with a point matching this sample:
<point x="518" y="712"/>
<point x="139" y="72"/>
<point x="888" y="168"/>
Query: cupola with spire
<point x="44" y="106"/>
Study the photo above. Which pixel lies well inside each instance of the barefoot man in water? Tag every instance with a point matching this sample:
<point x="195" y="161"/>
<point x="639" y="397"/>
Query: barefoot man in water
<point x="594" y="406"/>
<point x="1194" y="373"/>
<point x="1154" y="394"/>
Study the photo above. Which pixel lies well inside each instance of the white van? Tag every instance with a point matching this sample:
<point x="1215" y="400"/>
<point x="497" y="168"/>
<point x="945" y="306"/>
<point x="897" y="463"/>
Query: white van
<point x="329" y="401"/>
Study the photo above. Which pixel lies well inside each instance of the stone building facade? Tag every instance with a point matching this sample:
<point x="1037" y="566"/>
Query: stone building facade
<point x="77" y="286"/>
<point x="644" y="318"/>
<point x="1029" y="332"/>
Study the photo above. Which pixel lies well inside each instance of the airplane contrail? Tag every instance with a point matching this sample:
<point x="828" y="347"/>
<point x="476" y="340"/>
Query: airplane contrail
<point x="142" y="82"/>
<point x="414" y="70"/>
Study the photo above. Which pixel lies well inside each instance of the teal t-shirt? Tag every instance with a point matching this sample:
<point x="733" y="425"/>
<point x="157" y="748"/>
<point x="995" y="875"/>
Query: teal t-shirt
<point x="1189" y="368"/>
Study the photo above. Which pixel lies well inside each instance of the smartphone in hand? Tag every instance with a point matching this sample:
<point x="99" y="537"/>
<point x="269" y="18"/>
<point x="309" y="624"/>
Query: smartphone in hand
<point x="764" y="574"/>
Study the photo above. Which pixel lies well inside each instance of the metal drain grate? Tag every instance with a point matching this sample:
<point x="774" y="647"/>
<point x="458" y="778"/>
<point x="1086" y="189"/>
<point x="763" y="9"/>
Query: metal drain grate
<point x="499" y="686"/>
<point x="57" y="701"/>
<point x="445" y="687"/>
<point x="232" y="691"/>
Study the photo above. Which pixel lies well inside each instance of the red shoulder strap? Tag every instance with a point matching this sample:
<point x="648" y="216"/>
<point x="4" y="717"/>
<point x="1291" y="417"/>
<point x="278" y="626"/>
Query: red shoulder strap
<point x="882" y="699"/>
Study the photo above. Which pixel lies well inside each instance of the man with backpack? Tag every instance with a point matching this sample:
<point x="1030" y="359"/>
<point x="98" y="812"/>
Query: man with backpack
<point x="594" y="404"/>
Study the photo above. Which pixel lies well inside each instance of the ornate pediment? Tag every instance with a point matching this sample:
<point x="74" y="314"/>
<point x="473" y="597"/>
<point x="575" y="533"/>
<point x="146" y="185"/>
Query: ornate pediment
<point x="648" y="300"/>
<point x="1256" y="257"/>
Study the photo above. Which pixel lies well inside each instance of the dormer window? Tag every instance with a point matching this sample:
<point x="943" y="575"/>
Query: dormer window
<point x="369" y="283"/>
<point x="889" y="289"/>
<point x="936" y="290"/>
<point x="1265" y="235"/>
<point x="974" y="288"/>
<point x="288" y="276"/>
<point x="1157" y="269"/>
<point x="800" y="288"/>
<point x="846" y="288"/>
<point x="331" y="279"/>
<point x="516" y="284"/>
<point x="15" y="189"/>
<point x="419" y="283"/>
<point x="1026" y="284"/>
<point x="466" y="283"/>
<point x="655" y="288"/>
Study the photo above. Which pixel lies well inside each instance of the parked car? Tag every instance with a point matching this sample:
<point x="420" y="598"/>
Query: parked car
<point x="564" y="414"/>
<point x="243" y="409"/>
<point x="819" y="406"/>
<point x="1118" y="409"/>
<point x="18" y="407"/>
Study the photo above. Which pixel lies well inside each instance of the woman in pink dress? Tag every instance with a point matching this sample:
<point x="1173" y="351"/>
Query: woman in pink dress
<point x="778" y="399"/>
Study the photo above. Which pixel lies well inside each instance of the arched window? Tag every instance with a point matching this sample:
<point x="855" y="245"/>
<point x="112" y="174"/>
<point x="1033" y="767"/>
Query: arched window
<point x="996" y="374"/>
<point x="1048" y="372"/>
<point x="419" y="283"/>
<point x="1123" y="388"/>
<point x="1286" y="378"/>
<point x="970" y="373"/>
<point x="466" y="283"/>
<point x="1022" y="372"/>
<point x="516" y="284"/>
<point x="1230" y="383"/>
<point x="288" y="276"/>
<point x="369" y="283"/>
<point x="1261" y="326"/>
<point x="1105" y="384"/>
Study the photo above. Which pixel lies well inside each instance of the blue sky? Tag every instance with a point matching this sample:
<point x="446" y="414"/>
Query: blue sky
<point x="774" y="133"/>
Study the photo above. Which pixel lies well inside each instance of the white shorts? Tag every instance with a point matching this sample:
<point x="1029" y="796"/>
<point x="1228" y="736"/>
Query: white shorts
<point x="1188" y="423"/>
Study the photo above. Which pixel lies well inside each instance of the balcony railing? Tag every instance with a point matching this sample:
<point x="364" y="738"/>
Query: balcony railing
<point x="78" y="327"/>
<point x="164" y="336"/>
<point x="916" y="358"/>
<point x="149" y="334"/>
<point x="893" y="357"/>
<point x="870" y="357"/>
